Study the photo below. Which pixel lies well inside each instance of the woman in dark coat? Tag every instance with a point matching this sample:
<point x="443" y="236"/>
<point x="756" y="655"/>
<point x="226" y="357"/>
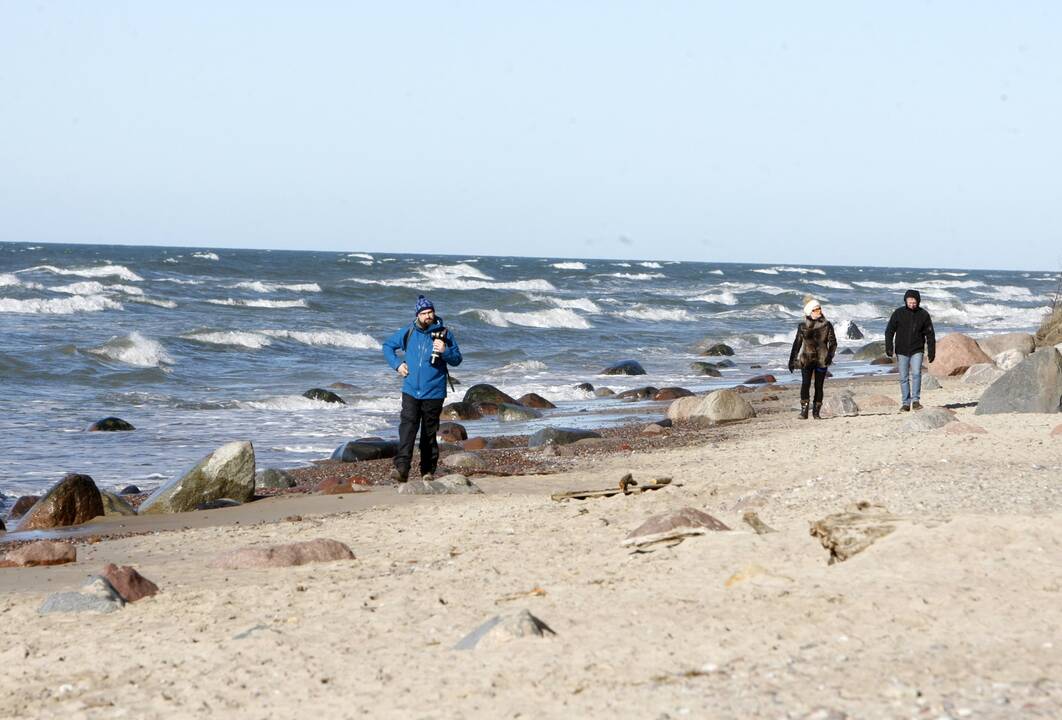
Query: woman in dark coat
<point x="813" y="351"/>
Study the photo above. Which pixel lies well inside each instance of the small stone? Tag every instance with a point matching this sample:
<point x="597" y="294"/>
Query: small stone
<point x="130" y="584"/>
<point x="851" y="532"/>
<point x="534" y="400"/>
<point x="96" y="595"/>
<point x="626" y="367"/>
<point x="753" y="521"/>
<point x="42" y="552"/>
<point x="505" y="628"/>
<point x="452" y="432"/>
<point x="585" y="387"/>
<point x="604" y="392"/>
<point x="300" y="553"/>
<point x="673" y="526"/>
<point x="962" y="428"/>
<point x="464" y="461"/>
<point x="446" y="485"/>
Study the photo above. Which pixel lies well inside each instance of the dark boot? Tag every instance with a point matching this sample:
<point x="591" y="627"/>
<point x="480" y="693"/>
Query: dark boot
<point x="803" y="409"/>
<point x="815" y="411"/>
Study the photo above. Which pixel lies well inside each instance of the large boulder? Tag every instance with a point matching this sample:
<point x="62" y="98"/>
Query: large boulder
<point x="559" y="436"/>
<point x="484" y="393"/>
<point x="114" y="504"/>
<point x="956" y="352"/>
<point x="71" y="501"/>
<point x="995" y="344"/>
<point x="714" y="348"/>
<point x="324" y="396"/>
<point x="460" y="411"/>
<point x="716" y="407"/>
<point x="21" y="505"/>
<point x="625" y="367"/>
<point x="841" y="405"/>
<point x="228" y="472"/>
<point x="853" y="332"/>
<point x="508" y="412"/>
<point x="982" y="374"/>
<point x="111" y="424"/>
<point x="870" y="351"/>
<point x="365" y="449"/>
<point x="761" y="380"/>
<point x="1009" y="358"/>
<point x="1034" y="386"/>
<point x="705" y="368"/>
<point x="534" y="400"/>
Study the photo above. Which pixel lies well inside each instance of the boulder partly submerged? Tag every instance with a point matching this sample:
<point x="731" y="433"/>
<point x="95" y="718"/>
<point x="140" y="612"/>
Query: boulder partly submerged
<point x="1032" y="386"/>
<point x="228" y="472"/>
<point x="716" y="407"/>
<point x="624" y="367"/>
<point x="508" y="412"/>
<point x="322" y="395"/>
<point x="365" y="449"/>
<point x="484" y="393"/>
<point x="559" y="436"/>
<point x="73" y="500"/>
<point x="111" y="424"/>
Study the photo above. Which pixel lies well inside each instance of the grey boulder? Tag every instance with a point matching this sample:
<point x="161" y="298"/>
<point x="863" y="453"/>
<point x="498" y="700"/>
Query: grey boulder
<point x="982" y="374"/>
<point x="446" y="485"/>
<point x="228" y="472"/>
<point x="97" y="595"/>
<point x="464" y="461"/>
<point x="928" y="419"/>
<point x="273" y="478"/>
<point x="1033" y="386"/>
<point x="625" y="367"/>
<point x="508" y="412"/>
<point x="559" y="436"/>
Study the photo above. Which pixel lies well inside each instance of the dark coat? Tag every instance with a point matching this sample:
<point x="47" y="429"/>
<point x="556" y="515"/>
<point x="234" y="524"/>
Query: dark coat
<point x="814" y="345"/>
<point x="911" y="331"/>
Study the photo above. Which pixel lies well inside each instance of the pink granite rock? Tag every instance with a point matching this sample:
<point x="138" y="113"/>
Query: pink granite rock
<point x="130" y="584"/>
<point x="300" y="553"/>
<point x="43" y="552"/>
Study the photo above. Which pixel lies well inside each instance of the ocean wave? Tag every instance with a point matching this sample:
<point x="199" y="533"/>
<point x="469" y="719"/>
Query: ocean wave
<point x="206" y="256"/>
<point x="855" y="311"/>
<point x="263" y="287"/>
<point x="521" y="367"/>
<point x="943" y="272"/>
<point x="919" y="284"/>
<point x="553" y="318"/>
<point x="181" y="281"/>
<point x="650" y="264"/>
<point x="724" y="298"/>
<point x="299" y="449"/>
<point x="775" y="311"/>
<point x="260" y="303"/>
<point x="438" y="273"/>
<point x="789" y="269"/>
<point x="715" y="272"/>
<point x="170" y="304"/>
<point x="59" y="306"/>
<point x="654" y="314"/>
<point x="171" y="260"/>
<point x="621" y="264"/>
<point x="365" y="262"/>
<point x="585" y="304"/>
<point x="636" y="276"/>
<point x="133" y="349"/>
<point x="364" y="256"/>
<point x="988" y="315"/>
<point x="834" y="284"/>
<point x="235" y="338"/>
<point x="536" y="285"/>
<point x="7" y="279"/>
<point x="288" y="403"/>
<point x="92" y="287"/>
<point x="327" y="338"/>
<point x="1007" y="292"/>
<point x="391" y="404"/>
<point x="570" y="266"/>
<point x="119" y="271"/>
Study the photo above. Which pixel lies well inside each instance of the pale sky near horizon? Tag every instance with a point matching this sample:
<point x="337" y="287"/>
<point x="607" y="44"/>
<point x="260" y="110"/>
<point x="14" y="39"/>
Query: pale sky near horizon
<point x="900" y="134"/>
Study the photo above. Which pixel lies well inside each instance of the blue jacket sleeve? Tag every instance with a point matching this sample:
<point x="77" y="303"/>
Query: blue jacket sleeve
<point x="452" y="354"/>
<point x="391" y="345"/>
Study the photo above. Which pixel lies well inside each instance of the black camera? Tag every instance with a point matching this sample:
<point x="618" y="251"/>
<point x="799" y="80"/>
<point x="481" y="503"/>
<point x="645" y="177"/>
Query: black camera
<point x="439" y="334"/>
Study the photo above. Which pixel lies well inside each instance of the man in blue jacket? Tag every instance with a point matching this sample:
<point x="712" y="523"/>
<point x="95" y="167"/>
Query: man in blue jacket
<point x="429" y="348"/>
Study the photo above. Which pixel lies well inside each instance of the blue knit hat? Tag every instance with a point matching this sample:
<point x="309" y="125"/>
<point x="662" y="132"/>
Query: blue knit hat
<point x="423" y="304"/>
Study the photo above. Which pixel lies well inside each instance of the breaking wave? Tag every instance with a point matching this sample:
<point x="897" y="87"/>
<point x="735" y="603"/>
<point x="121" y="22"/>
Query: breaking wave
<point x="59" y="306"/>
<point x="585" y="304"/>
<point x="327" y="338"/>
<point x="263" y="287"/>
<point x="133" y="349"/>
<point x="636" y="276"/>
<point x="645" y="312"/>
<point x="554" y="318"/>
<point x="260" y="303"/>
<point x="91" y="287"/>
<point x="570" y="266"/>
<point x="834" y="284"/>
<point x="789" y="269"/>
<point x="650" y="264"/>
<point x="235" y="338"/>
<point x="521" y="367"/>
<point x="724" y="298"/>
<point x="119" y="271"/>
<point x="206" y="255"/>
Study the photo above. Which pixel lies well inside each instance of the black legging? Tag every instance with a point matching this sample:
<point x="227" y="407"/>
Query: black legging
<point x="805" y="385"/>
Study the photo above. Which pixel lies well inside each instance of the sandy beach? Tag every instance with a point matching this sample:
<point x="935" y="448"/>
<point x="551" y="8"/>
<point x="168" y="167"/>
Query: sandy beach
<point x="954" y="614"/>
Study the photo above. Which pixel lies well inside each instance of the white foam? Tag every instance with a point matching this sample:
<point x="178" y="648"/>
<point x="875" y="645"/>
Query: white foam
<point x="622" y="264"/>
<point x="309" y="449"/>
<point x="790" y="269"/>
<point x="366" y="256"/>
<point x="391" y="404"/>
<point x="171" y="260"/>
<point x="585" y="304"/>
<point x="636" y="276"/>
<point x="119" y="271"/>
<point x="715" y="272"/>
<point x="553" y="318"/>
<point x="855" y="311"/>
<point x="7" y="279"/>
<point x="157" y="303"/>
<point x="327" y="338"/>
<point x="645" y="312"/>
<point x="942" y="272"/>
<point x="91" y="287"/>
<point x="180" y="281"/>
<point x="440" y="282"/>
<point x="59" y="306"/>
<point x="206" y="255"/>
<point x="570" y="266"/>
<point x="765" y="271"/>
<point x="260" y="303"/>
<point x="447" y="272"/>
<point x="262" y="287"/>
<point x="291" y="403"/>
<point x="365" y="262"/>
<point x="650" y="264"/>
<point x="521" y="367"/>
<point x="1007" y="292"/>
<point x="133" y="349"/>
<point x="724" y="298"/>
<point x="236" y="338"/>
<point x="988" y="315"/>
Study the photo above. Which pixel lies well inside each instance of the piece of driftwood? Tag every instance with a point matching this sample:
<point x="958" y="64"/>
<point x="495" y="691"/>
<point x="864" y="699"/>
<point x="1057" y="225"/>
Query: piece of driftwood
<point x="626" y="486"/>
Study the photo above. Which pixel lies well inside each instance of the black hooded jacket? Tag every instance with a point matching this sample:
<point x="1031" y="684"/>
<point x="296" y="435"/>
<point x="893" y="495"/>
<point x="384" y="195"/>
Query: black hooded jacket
<point x="911" y="329"/>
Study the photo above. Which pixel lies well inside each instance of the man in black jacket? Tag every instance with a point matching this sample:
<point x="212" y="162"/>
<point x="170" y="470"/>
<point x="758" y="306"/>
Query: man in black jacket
<point x="912" y="329"/>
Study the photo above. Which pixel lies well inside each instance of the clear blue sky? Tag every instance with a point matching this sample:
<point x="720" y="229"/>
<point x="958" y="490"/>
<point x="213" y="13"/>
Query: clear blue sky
<point x="897" y="133"/>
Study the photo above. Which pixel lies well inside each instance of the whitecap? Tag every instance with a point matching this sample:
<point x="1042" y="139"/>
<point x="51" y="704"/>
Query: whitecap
<point x="855" y="311"/>
<point x="621" y="264"/>
<point x="91" y="287"/>
<point x="989" y="315"/>
<point x="171" y="261"/>
<point x="835" y="284"/>
<point x="765" y="271"/>
<point x="943" y="272"/>
<point x="206" y="255"/>
<point x="387" y="405"/>
<point x="650" y="264"/>
<point x="327" y="338"/>
<point x="570" y="266"/>
<point x="521" y="367"/>
<point x="263" y="287"/>
<point x="7" y="279"/>
<point x="585" y="304"/>
<point x="715" y="272"/>
<point x="365" y="256"/>
<point x="447" y="272"/>
<point x="237" y="338"/>
<point x="536" y="285"/>
<point x="724" y="298"/>
<point x="636" y="276"/>
<point x="133" y="349"/>
<point x="119" y="271"/>
<point x="170" y="304"/>
<point x="365" y="262"/>
<point x="645" y="312"/>
<point x="260" y="303"/>
<point x="181" y="281"/>
<point x="290" y="403"/>
<point x="1007" y="293"/>
<point x="299" y="449"/>
<point x="553" y="318"/>
<point x="59" y="306"/>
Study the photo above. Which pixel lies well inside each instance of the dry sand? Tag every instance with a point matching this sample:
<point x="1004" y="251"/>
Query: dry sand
<point x="956" y="614"/>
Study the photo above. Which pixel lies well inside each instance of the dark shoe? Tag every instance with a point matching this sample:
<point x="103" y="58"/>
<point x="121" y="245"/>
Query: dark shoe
<point x="427" y="477"/>
<point x="803" y="410"/>
<point x="815" y="411"/>
<point x="397" y="476"/>
<point x="916" y="405"/>
<point x="904" y="408"/>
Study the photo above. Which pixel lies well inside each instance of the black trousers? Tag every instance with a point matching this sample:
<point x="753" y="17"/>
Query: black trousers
<point x="422" y="414"/>
<point x="807" y="374"/>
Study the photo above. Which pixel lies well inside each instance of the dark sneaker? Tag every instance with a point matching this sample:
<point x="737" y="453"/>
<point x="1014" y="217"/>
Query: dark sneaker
<point x="427" y="477"/>
<point x="397" y="477"/>
<point x="904" y="408"/>
<point x="916" y="405"/>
